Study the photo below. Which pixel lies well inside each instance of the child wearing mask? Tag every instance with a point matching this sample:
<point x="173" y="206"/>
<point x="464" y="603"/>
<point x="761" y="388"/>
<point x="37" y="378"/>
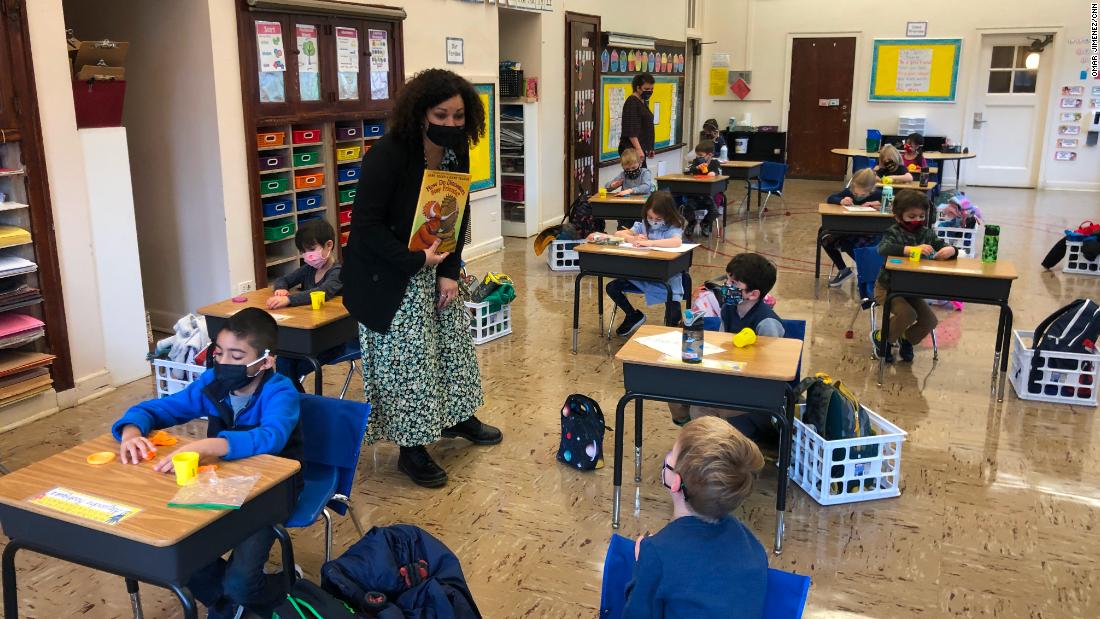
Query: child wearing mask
<point x="711" y="132"/>
<point x="914" y="152"/>
<point x="889" y="165"/>
<point x="861" y="191"/>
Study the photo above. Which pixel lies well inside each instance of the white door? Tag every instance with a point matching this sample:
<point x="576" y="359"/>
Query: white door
<point x="1007" y="116"/>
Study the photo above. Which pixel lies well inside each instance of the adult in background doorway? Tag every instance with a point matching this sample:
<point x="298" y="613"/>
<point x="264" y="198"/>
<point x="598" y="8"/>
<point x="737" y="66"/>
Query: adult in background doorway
<point x="420" y="371"/>
<point x="637" y="118"/>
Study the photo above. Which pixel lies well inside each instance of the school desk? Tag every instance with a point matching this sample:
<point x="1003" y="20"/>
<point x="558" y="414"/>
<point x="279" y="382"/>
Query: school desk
<point x="304" y="333"/>
<point x="929" y="189"/>
<point x="962" y="279"/>
<point x="752" y="379"/>
<point x="628" y="263"/>
<point x="622" y="208"/>
<point x="159" y="545"/>
<point x="835" y="219"/>
<point x="692" y="185"/>
<point x="930" y="156"/>
<point x="743" y="171"/>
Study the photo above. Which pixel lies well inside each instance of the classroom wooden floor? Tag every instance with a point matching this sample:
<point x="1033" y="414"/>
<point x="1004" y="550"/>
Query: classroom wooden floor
<point x="1000" y="504"/>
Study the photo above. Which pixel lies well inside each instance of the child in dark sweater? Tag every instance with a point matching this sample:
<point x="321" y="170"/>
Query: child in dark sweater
<point x="861" y="191"/>
<point x="705" y="563"/>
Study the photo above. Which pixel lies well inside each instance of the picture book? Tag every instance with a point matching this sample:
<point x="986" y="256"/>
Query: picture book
<point x="439" y="210"/>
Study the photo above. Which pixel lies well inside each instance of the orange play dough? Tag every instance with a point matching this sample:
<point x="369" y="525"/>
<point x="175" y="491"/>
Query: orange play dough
<point x="101" y="457"/>
<point x="160" y="438"/>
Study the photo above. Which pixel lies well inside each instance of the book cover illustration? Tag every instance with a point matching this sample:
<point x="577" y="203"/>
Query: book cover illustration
<point x="439" y="210"/>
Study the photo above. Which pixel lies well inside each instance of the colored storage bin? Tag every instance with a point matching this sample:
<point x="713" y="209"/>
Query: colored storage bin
<point x="279" y="230"/>
<point x="306" y="136"/>
<point x="348" y="153"/>
<point x="513" y="192"/>
<point x="348" y="173"/>
<point x="306" y="158"/>
<point x="308" y="181"/>
<point x="348" y="133"/>
<point x="274" y="208"/>
<point x="311" y="201"/>
<point x="269" y="186"/>
<point x="273" y="161"/>
<point x="373" y="130"/>
<point x="347" y="195"/>
<point x="270" y="138"/>
<point x="344" y="238"/>
<point x="309" y="216"/>
<point x="345" y="217"/>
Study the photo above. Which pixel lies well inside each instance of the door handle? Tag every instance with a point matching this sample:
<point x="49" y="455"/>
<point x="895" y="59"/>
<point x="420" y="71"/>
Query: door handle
<point x="978" y="120"/>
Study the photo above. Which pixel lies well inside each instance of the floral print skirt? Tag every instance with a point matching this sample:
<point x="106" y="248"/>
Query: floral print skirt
<point x="422" y="376"/>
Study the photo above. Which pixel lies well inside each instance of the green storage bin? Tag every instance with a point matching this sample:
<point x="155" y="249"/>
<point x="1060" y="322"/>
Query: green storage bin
<point x="307" y="158"/>
<point x="279" y="230"/>
<point x="347" y="195"/>
<point x="270" y="185"/>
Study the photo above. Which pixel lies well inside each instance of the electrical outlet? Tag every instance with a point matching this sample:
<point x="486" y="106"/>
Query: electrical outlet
<point x="247" y="286"/>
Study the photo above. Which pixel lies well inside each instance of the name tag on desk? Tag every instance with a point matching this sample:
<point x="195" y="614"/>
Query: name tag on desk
<point x="715" y="364"/>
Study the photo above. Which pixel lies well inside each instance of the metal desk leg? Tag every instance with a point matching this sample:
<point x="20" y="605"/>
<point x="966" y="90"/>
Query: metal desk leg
<point x="11" y="597"/>
<point x="997" y="350"/>
<point x="786" y="439"/>
<point x="617" y="474"/>
<point x="135" y="598"/>
<point x="668" y="299"/>
<point x="187" y="601"/>
<point x="759" y="208"/>
<point x="748" y="197"/>
<point x="318" y="378"/>
<point x="599" y="299"/>
<point x="1005" y="347"/>
<point x="638" y="440"/>
<point x="287" y="549"/>
<point x="577" y="309"/>
<point x="817" y="259"/>
<point x="958" y="172"/>
<point x="884" y="342"/>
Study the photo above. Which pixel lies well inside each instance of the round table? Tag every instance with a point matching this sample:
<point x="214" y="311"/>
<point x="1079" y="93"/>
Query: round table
<point x="930" y="155"/>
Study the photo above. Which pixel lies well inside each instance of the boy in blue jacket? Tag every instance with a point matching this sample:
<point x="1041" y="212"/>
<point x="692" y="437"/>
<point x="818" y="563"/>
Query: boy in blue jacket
<point x="251" y="410"/>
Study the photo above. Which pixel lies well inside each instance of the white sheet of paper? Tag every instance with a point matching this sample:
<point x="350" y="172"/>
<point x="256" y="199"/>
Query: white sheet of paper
<point x="671" y="343"/>
<point x="860" y="209"/>
<point x="682" y="249"/>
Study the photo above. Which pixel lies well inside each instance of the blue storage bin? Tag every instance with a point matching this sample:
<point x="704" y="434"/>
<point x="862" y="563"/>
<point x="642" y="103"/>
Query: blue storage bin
<point x="348" y="173"/>
<point x="273" y="208"/>
<point x="373" y="130"/>
<point x="309" y="202"/>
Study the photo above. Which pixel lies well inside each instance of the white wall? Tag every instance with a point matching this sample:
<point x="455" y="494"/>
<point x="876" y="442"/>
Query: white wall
<point x="756" y="35"/>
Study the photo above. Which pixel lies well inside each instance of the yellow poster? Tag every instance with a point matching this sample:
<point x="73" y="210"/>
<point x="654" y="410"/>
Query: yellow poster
<point x="483" y="167"/>
<point x="718" y="81"/>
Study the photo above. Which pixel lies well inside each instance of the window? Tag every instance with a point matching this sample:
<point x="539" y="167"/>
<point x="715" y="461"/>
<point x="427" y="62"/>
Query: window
<point x="1007" y="72"/>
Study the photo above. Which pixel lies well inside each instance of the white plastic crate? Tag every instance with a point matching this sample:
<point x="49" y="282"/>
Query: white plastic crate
<point x="562" y="256"/>
<point x="171" y="377"/>
<point x="832" y="472"/>
<point x="1074" y="382"/>
<point x="1077" y="263"/>
<point x="486" y="326"/>
<point x="967" y="240"/>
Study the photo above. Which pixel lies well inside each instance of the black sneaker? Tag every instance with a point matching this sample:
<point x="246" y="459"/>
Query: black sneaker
<point x="905" y="350"/>
<point x="840" y="277"/>
<point x="874" y="347"/>
<point x="475" y="431"/>
<point x="419" y="466"/>
<point x="630" y="324"/>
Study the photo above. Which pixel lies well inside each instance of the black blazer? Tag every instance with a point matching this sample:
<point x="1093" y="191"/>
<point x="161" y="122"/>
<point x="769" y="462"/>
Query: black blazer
<point x="377" y="260"/>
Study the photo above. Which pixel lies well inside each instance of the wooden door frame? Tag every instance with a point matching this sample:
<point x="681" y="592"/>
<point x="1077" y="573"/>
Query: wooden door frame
<point x="788" y="61"/>
<point x="571" y="18"/>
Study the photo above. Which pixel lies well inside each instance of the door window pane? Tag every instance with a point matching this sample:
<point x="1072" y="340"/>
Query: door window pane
<point x="309" y="62"/>
<point x="1024" y="81"/>
<point x="1021" y="56"/>
<point x="999" y="81"/>
<point x="271" y="52"/>
<point x="347" y="62"/>
<point x="1002" y="57"/>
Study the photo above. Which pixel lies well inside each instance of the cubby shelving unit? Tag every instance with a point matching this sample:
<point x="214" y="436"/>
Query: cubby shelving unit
<point x="518" y="167"/>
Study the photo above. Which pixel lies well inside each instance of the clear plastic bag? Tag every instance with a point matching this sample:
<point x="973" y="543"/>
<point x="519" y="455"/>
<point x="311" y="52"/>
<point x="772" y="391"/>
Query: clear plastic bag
<point x="209" y="491"/>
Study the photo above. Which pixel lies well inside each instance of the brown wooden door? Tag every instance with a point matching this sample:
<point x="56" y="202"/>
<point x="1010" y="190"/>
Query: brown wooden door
<point x="821" y="71"/>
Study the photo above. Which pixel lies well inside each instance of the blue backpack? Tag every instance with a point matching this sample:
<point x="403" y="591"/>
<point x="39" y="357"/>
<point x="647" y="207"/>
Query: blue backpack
<point x="582" y="430"/>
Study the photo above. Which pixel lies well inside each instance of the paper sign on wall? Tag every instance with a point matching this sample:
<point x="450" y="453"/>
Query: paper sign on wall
<point x="718" y="77"/>
<point x="269" y="44"/>
<point x="308" y="62"/>
<point x="914" y="70"/>
<point x="378" y="46"/>
<point x="347" y="50"/>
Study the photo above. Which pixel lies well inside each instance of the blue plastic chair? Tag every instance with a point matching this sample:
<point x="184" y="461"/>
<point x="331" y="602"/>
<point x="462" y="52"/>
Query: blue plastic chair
<point x="868" y="265"/>
<point x="786" y="596"/>
<point x="350" y="358"/>
<point x="793" y="329"/>
<point x="772" y="177"/>
<point x="859" y="163"/>
<point x="332" y="433"/>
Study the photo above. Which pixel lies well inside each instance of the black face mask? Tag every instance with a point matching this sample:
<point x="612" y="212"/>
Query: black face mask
<point x="733" y="295"/>
<point x="646" y="95"/>
<point x="632" y="174"/>
<point x="446" y="136"/>
<point x="698" y="162"/>
<point x="231" y="377"/>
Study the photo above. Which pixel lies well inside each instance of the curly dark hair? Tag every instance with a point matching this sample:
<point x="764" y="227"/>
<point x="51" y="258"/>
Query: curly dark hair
<point x="428" y="89"/>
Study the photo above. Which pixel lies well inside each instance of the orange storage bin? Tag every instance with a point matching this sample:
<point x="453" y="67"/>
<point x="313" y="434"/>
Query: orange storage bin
<point x="344" y="238"/>
<point x="309" y="181"/>
<point x="270" y="138"/>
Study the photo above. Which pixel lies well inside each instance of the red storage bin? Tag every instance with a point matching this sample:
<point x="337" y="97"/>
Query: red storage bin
<point x="512" y="192"/>
<point x="345" y="217"/>
<point x="98" y="103"/>
<point x="344" y="238"/>
<point x="306" y="136"/>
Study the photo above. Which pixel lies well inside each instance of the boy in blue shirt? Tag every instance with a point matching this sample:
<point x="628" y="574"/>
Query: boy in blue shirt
<point x="251" y="410"/>
<point x="705" y="563"/>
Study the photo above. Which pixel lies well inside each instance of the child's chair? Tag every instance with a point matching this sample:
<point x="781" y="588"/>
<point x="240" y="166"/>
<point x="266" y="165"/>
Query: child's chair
<point x="332" y="435"/>
<point x="350" y="357"/>
<point x="868" y="265"/>
<point x="685" y="282"/>
<point x="858" y="163"/>
<point x="772" y="177"/>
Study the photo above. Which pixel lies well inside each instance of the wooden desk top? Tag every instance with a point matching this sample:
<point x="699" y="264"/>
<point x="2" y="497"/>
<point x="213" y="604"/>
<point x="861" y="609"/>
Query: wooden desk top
<point x="613" y="199"/>
<point x="912" y="185"/>
<point x="690" y="178"/>
<point x="135" y="485"/>
<point x="931" y="155"/>
<point x="741" y="164"/>
<point x="836" y="209"/>
<point x="300" y="317"/>
<point x="627" y="252"/>
<point x="771" y="358"/>
<point x="971" y="267"/>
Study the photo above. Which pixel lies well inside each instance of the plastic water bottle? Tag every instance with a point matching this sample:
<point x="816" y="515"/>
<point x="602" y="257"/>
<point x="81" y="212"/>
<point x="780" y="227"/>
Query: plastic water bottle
<point x="691" y="350"/>
<point x="887" y="198"/>
<point x="724" y="153"/>
<point x="924" y="176"/>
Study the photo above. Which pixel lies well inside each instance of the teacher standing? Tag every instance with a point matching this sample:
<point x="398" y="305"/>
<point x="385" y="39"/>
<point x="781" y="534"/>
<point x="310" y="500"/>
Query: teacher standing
<point x="420" y="372"/>
<point x="637" y="118"/>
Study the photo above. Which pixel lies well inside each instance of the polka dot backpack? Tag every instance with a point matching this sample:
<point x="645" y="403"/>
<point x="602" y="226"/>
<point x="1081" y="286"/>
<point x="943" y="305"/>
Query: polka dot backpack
<point x="582" y="430"/>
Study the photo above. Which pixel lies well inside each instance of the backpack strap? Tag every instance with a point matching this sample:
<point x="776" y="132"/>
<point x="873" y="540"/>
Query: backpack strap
<point x="1040" y="331"/>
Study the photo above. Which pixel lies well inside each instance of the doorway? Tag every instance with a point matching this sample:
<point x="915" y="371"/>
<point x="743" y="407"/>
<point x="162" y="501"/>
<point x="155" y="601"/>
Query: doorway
<point x="1009" y="105"/>
<point x="819" y="106"/>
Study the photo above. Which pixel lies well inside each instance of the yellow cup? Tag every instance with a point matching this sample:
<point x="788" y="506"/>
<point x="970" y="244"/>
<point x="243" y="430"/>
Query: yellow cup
<point x="317" y="299"/>
<point x="914" y="254"/>
<point x="603" y="191"/>
<point x="746" y="337"/>
<point x="186" y="465"/>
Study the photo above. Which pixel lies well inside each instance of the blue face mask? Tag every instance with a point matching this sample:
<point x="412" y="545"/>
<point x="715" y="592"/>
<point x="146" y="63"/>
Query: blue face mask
<point x="732" y="294"/>
<point x="655" y="224"/>
<point x="232" y="377"/>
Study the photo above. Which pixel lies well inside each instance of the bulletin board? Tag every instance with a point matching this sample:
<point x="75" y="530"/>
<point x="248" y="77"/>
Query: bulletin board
<point x="483" y="157"/>
<point x="915" y="69"/>
<point x="667" y="105"/>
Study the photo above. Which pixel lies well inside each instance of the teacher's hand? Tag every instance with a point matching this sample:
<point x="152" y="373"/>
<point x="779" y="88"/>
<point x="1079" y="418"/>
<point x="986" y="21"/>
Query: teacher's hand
<point x="448" y="291"/>
<point x="432" y="257"/>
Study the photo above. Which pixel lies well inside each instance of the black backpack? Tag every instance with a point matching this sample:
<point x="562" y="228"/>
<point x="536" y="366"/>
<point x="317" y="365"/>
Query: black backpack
<point x="582" y="430"/>
<point x="580" y="215"/>
<point x="1074" y="328"/>
<point x="309" y="601"/>
<point x="835" y="413"/>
